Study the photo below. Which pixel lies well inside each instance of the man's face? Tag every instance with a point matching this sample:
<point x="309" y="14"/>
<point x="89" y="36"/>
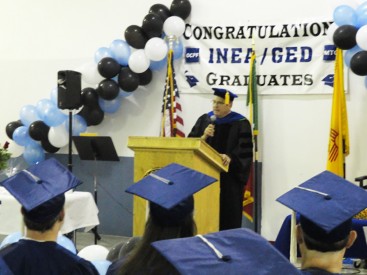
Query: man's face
<point x="219" y="108"/>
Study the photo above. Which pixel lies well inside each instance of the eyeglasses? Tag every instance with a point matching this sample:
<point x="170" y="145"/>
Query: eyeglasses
<point x="214" y="102"/>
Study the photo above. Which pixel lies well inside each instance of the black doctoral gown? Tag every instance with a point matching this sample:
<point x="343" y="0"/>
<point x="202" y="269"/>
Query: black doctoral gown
<point x="233" y="137"/>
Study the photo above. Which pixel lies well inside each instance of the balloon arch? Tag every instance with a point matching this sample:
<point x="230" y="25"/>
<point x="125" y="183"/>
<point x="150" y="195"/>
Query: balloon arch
<point x="117" y="71"/>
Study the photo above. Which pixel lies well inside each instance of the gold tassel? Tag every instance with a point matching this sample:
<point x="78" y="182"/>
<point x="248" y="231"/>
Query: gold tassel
<point x="226" y="98"/>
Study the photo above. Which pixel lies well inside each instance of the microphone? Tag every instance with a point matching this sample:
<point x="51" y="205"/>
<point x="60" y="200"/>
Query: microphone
<point x="212" y="119"/>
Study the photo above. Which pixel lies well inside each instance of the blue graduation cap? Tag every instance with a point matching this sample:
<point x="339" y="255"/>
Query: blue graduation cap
<point x="40" y="188"/>
<point x="326" y="204"/>
<point x="223" y="93"/>
<point x="170" y="190"/>
<point x="230" y="252"/>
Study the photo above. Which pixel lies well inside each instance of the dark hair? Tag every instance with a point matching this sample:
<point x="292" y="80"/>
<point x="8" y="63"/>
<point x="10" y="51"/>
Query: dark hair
<point x="40" y="226"/>
<point x="318" y="239"/>
<point x="144" y="259"/>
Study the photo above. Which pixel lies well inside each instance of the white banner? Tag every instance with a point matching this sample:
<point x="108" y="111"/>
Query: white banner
<point x="293" y="58"/>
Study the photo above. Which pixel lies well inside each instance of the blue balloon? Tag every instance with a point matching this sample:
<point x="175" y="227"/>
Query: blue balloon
<point x="33" y="154"/>
<point x="120" y="51"/>
<point x="28" y="114"/>
<point x="42" y="106"/>
<point x="54" y="95"/>
<point x="109" y="106"/>
<point x="102" y="53"/>
<point x="345" y="15"/>
<point x="361" y="18"/>
<point x="11" y="238"/>
<point x="101" y="266"/>
<point x="349" y="54"/>
<point x="79" y="125"/>
<point x="53" y="116"/>
<point x="177" y="49"/>
<point x="123" y="94"/>
<point x="21" y="136"/>
<point x="365" y="81"/>
<point x="158" y="65"/>
<point x="66" y="243"/>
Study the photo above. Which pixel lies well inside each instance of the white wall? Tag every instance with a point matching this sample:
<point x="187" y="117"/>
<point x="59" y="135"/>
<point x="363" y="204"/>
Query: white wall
<point x="39" y="38"/>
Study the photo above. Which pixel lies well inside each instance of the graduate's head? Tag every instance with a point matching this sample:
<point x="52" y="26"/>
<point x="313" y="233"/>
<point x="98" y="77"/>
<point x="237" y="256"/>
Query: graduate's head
<point x="222" y="102"/>
<point x="44" y="216"/>
<point x="234" y="251"/>
<point x="170" y="191"/>
<point x="40" y="190"/>
<point x="326" y="204"/>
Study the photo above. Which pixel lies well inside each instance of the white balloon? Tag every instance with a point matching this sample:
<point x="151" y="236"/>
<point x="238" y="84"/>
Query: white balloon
<point x="330" y="32"/>
<point x="90" y="73"/>
<point x="94" y="252"/>
<point x="138" y="61"/>
<point x="156" y="49"/>
<point x="174" y="25"/>
<point x="58" y="136"/>
<point x="361" y="37"/>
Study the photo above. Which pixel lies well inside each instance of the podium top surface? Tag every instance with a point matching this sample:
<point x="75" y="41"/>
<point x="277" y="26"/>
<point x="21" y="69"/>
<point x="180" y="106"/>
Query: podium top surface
<point x="176" y="143"/>
<point x="95" y="148"/>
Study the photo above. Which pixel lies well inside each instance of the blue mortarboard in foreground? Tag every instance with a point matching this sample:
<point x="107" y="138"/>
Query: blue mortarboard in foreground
<point x="170" y="185"/>
<point x="223" y="92"/>
<point x="230" y="252"/>
<point x="169" y="191"/>
<point x="329" y="202"/>
<point x="42" y="184"/>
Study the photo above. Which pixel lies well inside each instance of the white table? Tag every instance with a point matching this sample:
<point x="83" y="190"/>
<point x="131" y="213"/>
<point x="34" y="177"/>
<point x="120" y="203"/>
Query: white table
<point x="80" y="212"/>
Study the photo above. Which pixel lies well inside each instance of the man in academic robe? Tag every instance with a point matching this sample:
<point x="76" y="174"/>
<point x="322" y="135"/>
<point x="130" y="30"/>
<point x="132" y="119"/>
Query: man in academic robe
<point x="230" y="134"/>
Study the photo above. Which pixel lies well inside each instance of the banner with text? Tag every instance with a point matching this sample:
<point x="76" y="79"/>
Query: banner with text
<point x="295" y="58"/>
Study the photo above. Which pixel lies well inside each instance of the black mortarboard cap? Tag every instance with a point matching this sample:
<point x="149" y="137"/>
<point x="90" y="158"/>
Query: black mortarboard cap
<point x="326" y="204"/>
<point x="223" y="93"/>
<point x="40" y="188"/>
<point x="230" y="252"/>
<point x="170" y="190"/>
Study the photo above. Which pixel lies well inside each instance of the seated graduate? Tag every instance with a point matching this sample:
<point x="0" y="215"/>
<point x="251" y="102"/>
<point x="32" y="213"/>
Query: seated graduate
<point x="170" y="194"/>
<point x="40" y="190"/>
<point x="229" y="252"/>
<point x="326" y="204"/>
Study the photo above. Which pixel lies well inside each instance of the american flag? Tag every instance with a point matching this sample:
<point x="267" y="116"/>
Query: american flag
<point x="172" y="124"/>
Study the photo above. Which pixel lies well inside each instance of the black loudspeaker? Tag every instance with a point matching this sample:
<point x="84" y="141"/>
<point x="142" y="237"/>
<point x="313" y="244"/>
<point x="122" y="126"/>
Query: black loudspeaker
<point x="69" y="88"/>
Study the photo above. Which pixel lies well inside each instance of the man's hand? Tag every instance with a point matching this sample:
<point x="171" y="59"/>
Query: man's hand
<point x="226" y="160"/>
<point x="208" y="132"/>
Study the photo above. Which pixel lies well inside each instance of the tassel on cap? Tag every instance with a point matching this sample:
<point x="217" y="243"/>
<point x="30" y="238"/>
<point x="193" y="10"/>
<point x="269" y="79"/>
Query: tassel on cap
<point x="226" y="98"/>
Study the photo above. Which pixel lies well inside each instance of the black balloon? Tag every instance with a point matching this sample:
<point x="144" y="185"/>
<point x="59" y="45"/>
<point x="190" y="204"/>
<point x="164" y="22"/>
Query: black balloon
<point x="48" y="147"/>
<point x="345" y="37"/>
<point x="11" y="127"/>
<point x="152" y="25"/>
<point x="108" y="89"/>
<point x="92" y="116"/>
<point x="89" y="97"/>
<point x="358" y="63"/>
<point x="145" y="77"/>
<point x="135" y="37"/>
<point x="181" y="8"/>
<point x="38" y="130"/>
<point x="108" y="67"/>
<point x="161" y="10"/>
<point x="128" y="80"/>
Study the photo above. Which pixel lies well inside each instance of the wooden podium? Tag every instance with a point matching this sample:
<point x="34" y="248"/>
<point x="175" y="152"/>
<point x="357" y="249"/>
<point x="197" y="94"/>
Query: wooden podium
<point x="157" y="152"/>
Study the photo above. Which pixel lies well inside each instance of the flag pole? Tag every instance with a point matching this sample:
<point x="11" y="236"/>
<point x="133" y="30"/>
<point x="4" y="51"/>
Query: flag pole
<point x="257" y="189"/>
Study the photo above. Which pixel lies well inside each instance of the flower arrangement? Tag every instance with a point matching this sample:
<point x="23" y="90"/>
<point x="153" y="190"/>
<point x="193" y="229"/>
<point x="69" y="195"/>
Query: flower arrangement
<point x="4" y="156"/>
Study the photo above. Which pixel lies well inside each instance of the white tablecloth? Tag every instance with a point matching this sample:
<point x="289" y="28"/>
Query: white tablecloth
<point x="80" y="212"/>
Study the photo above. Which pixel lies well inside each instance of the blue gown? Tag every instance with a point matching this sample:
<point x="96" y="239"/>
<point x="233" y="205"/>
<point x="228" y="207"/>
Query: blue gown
<point x="28" y="257"/>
